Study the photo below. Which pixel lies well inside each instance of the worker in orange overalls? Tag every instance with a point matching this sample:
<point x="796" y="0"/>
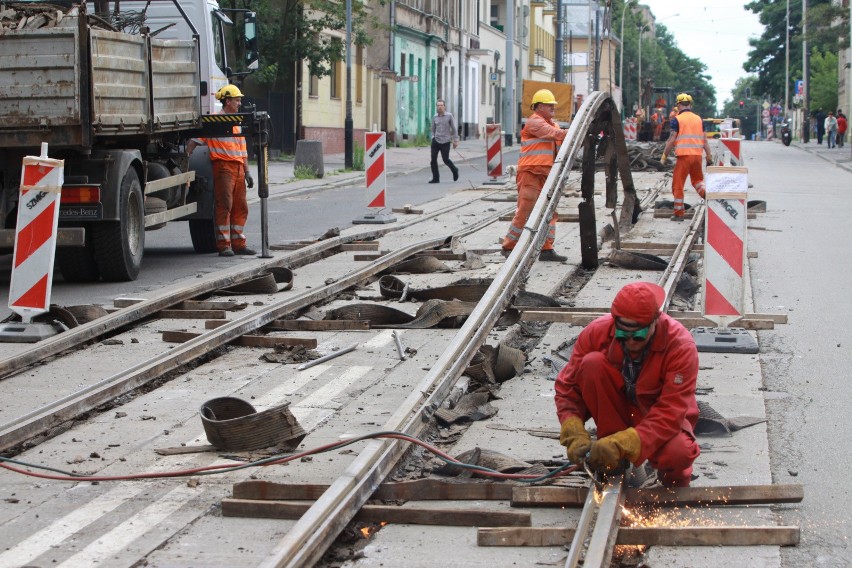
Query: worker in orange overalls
<point x="634" y="371"/>
<point x="657" y="119"/>
<point x="539" y="141"/>
<point x="230" y="176"/>
<point x="688" y="139"/>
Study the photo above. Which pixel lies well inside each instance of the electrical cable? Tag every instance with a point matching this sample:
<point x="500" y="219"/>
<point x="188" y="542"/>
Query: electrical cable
<point x="279" y="460"/>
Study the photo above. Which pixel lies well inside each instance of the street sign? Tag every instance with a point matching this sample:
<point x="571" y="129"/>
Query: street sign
<point x="764" y="114"/>
<point x="765" y="105"/>
<point x="765" y="120"/>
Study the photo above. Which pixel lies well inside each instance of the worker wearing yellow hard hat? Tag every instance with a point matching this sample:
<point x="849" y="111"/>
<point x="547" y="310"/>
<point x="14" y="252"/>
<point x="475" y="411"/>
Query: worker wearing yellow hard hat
<point x="688" y="139"/>
<point x="539" y="141"/>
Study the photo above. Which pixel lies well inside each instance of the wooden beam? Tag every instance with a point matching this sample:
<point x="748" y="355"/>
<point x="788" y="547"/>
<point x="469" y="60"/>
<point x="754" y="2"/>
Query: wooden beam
<point x="317" y="325"/>
<point x="227" y="305"/>
<point x="191" y="314"/>
<point x="561" y="217"/>
<point x="444" y="516"/>
<point x="443" y="254"/>
<point x="659" y="536"/>
<point x="244" y="340"/>
<point x="407" y="210"/>
<point x="552" y="496"/>
<point x="360" y="246"/>
<point x="416" y="490"/>
<point x="585" y="318"/>
<point x="292" y="246"/>
<point x="368" y="257"/>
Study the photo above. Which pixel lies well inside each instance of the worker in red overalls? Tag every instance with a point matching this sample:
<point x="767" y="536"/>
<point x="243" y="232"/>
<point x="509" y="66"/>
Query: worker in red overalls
<point x="229" y="158"/>
<point x="539" y="140"/>
<point x="657" y="119"/>
<point x="689" y="141"/>
<point x="634" y="372"/>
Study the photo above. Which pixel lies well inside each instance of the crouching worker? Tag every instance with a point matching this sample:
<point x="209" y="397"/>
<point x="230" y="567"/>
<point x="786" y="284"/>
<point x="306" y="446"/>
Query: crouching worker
<point x="634" y="372"/>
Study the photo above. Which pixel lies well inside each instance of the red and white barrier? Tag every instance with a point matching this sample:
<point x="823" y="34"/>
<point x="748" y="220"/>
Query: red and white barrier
<point x="374" y="164"/>
<point x="732" y="150"/>
<point x="494" y="150"/>
<point x="35" y="236"/>
<point x="629" y="128"/>
<point x="725" y="244"/>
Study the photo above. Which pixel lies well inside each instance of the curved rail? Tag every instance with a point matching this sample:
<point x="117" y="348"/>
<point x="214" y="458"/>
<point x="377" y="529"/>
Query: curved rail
<point x="317" y="529"/>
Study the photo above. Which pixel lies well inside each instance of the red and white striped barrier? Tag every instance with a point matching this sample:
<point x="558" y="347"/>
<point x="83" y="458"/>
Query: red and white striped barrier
<point x="374" y="162"/>
<point x="732" y="149"/>
<point x="629" y="128"/>
<point x="725" y="244"/>
<point x="493" y="150"/>
<point x="35" y="236"/>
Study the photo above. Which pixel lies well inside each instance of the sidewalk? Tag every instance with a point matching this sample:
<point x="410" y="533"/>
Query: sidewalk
<point x="841" y="157"/>
<point x="398" y="161"/>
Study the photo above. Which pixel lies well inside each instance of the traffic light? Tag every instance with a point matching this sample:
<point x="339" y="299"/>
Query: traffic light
<point x="742" y="104"/>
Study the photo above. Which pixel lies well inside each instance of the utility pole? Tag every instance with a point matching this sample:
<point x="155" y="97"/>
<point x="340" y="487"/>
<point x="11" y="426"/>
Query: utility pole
<point x="347" y="124"/>
<point x="462" y="70"/>
<point x="509" y="98"/>
<point x="787" y="62"/>
<point x="560" y="44"/>
<point x="806" y="71"/>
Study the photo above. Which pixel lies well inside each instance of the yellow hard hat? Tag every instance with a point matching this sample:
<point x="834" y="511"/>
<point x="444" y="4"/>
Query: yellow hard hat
<point x="684" y="99"/>
<point x="543" y="96"/>
<point x="228" y="91"/>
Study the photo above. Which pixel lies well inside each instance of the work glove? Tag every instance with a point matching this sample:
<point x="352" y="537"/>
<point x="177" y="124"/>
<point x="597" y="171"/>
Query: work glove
<point x="606" y="454"/>
<point x="663" y="158"/>
<point x="249" y="181"/>
<point x="709" y="161"/>
<point x="575" y="438"/>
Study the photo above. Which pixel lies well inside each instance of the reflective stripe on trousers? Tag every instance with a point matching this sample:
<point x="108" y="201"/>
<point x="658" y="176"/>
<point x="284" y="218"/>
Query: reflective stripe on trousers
<point x="230" y="206"/>
<point x="686" y="166"/>
<point x="529" y="188"/>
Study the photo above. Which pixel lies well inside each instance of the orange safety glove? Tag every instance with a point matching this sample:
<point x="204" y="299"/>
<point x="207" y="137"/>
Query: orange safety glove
<point x="606" y="454"/>
<point x="575" y="438"/>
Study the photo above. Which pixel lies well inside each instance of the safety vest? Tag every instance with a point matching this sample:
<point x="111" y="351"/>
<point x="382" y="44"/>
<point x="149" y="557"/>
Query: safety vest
<point x="535" y="151"/>
<point x="232" y="149"/>
<point x="690" y="134"/>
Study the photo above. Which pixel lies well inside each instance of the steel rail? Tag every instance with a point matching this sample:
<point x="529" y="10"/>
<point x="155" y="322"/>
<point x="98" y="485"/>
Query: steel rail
<point x="127" y="316"/>
<point x="317" y="529"/>
<point x="41" y="420"/>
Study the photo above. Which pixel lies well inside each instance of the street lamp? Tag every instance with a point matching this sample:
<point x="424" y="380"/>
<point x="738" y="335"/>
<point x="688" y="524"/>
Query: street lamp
<point x="621" y="57"/>
<point x="641" y="30"/>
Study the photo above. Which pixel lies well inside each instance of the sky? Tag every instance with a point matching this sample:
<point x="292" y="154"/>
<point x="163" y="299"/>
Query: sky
<point x="715" y="32"/>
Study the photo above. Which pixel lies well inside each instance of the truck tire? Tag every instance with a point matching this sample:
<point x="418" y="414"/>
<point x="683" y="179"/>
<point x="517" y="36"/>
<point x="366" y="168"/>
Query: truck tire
<point x="119" y="245"/>
<point x="77" y="264"/>
<point x="203" y="235"/>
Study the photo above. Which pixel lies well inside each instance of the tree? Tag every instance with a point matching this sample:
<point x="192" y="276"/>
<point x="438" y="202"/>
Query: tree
<point x="823" y="80"/>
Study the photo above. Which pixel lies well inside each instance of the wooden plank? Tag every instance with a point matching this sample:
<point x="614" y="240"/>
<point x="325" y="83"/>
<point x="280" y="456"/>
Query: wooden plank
<point x="651" y="536"/>
<point x="367" y="257"/>
<point x="191" y="314"/>
<point x="127" y="302"/>
<point x="407" y="210"/>
<point x="227" y="305"/>
<point x="777" y="318"/>
<point x="444" y="516"/>
<point x="416" y="490"/>
<point x="317" y="325"/>
<point x="213" y="324"/>
<point x="443" y="254"/>
<point x="561" y="217"/>
<point x="244" y="340"/>
<point x="292" y="246"/>
<point x="585" y="318"/>
<point x="662" y="497"/>
<point x="360" y="246"/>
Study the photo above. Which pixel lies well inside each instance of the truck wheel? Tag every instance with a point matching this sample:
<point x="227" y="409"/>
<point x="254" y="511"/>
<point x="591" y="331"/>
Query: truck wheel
<point x="77" y="264"/>
<point x="119" y="245"/>
<point x="203" y="235"/>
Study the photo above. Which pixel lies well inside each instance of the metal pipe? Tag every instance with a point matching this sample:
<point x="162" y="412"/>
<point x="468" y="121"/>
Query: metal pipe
<point x="347" y="123"/>
<point x="400" y="349"/>
<point x="328" y="357"/>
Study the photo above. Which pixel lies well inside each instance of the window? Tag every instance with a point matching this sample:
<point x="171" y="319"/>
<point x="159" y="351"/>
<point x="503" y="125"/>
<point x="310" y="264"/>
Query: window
<point x="335" y="79"/>
<point x="483" y="86"/>
<point x="402" y="64"/>
<point x="313" y="86"/>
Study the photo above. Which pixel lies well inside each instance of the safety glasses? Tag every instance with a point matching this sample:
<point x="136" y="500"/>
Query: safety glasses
<point x="635" y="335"/>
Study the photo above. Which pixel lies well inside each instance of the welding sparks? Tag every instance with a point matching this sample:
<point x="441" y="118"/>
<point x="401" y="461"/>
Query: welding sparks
<point x="370" y="530"/>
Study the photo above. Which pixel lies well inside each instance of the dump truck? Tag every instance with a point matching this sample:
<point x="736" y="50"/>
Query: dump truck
<point x="116" y="92"/>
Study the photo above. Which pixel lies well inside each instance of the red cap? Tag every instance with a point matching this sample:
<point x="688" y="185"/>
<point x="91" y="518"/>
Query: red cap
<point x="638" y="301"/>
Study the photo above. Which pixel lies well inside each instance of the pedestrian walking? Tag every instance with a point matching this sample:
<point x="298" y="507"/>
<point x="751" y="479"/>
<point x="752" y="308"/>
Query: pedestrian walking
<point x="540" y="139"/>
<point x="444" y="133"/>
<point x="842" y="124"/>
<point x="689" y="142"/>
<point x="229" y="158"/>
<point x="819" y="125"/>
<point x="831" y="129"/>
<point x="634" y="372"/>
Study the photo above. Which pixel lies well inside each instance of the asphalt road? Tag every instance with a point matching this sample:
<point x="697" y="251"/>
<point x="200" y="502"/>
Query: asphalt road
<point x="803" y="269"/>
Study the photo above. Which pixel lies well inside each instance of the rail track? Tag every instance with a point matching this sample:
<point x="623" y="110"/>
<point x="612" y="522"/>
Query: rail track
<point x="133" y="522"/>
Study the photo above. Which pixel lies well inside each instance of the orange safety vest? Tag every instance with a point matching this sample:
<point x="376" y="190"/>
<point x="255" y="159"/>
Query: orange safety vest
<point x="232" y="149"/>
<point x="535" y="151"/>
<point x="690" y="134"/>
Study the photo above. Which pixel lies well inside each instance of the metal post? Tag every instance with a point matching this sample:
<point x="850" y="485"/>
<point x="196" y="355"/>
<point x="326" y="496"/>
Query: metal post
<point x="509" y="98"/>
<point x="806" y="70"/>
<point x="787" y="62"/>
<point x="261" y="141"/>
<point x="560" y="45"/>
<point x="621" y="59"/>
<point x="849" y="83"/>
<point x="347" y="124"/>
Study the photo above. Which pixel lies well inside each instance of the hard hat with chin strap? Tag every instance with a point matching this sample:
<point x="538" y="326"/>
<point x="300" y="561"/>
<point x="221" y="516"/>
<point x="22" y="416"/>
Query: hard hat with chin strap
<point x="684" y="99"/>
<point x="543" y="96"/>
<point x="228" y="91"/>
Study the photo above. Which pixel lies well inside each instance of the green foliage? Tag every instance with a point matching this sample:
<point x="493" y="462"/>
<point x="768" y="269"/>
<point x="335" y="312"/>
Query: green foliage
<point x="293" y="31"/>
<point x="304" y="172"/>
<point x="420" y="141"/>
<point x="358" y="157"/>
<point x="823" y="80"/>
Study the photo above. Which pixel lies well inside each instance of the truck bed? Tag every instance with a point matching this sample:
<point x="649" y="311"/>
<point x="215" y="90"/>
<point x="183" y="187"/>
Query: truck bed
<point x="71" y="85"/>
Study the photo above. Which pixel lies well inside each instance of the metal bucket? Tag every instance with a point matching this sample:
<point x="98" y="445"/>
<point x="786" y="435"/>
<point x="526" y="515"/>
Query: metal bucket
<point x="234" y="424"/>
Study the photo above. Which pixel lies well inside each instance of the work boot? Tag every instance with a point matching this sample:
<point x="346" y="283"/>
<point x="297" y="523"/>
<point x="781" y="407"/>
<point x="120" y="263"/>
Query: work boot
<point x="226" y="252"/>
<point x="505" y="252"/>
<point x="245" y="251"/>
<point x="551" y="256"/>
<point x="678" y="218"/>
<point x="455" y="175"/>
<point x="434" y="181"/>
